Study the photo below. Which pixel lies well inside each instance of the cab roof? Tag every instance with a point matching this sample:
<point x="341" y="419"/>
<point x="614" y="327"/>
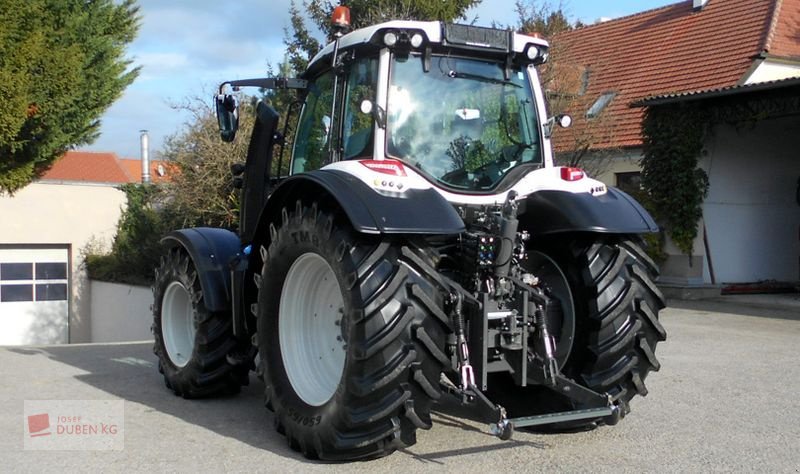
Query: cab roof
<point x="434" y="31"/>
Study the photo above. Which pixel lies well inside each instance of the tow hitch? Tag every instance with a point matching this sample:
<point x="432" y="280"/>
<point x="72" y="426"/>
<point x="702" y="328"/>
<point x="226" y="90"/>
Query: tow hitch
<point x="545" y="367"/>
<point x="503" y="427"/>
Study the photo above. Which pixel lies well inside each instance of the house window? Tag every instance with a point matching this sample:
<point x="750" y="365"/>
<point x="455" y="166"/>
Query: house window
<point x="51" y="292"/>
<point x="600" y="104"/>
<point x="629" y="182"/>
<point x="27" y="282"/>
<point x="16" y="293"/>
<point x="51" y="271"/>
<point x="16" y="271"/>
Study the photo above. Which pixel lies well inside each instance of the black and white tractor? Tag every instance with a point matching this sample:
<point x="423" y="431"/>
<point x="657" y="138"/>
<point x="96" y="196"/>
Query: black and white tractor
<point x="424" y="244"/>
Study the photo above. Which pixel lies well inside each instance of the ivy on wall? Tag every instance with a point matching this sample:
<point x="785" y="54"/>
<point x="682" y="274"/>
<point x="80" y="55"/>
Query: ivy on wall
<point x="673" y="143"/>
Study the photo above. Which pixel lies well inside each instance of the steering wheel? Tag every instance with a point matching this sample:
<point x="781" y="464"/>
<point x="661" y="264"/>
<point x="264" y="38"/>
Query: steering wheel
<point x="487" y="173"/>
<point x="514" y="151"/>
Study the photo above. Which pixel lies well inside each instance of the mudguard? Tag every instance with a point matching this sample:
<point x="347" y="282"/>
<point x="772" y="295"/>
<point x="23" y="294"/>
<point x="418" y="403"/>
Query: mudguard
<point x="551" y="212"/>
<point x="211" y="250"/>
<point x="413" y="212"/>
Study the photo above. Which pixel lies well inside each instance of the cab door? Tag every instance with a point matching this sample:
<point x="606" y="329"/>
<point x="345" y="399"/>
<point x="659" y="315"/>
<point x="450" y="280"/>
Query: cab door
<point x="332" y="125"/>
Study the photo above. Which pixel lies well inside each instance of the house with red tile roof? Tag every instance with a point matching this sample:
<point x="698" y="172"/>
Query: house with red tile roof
<point x="87" y="167"/>
<point x="704" y="53"/>
<point x="684" y="47"/>
<point x="44" y="229"/>
<point x="160" y="171"/>
<point x="104" y="168"/>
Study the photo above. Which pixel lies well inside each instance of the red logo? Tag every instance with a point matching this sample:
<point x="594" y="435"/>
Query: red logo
<point x="39" y="425"/>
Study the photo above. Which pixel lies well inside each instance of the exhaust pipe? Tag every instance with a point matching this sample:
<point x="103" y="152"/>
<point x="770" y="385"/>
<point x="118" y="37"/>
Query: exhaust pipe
<point x="144" y="140"/>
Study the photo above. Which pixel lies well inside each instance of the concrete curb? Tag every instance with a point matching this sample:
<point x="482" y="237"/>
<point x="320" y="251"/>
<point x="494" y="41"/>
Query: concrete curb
<point x="711" y="293"/>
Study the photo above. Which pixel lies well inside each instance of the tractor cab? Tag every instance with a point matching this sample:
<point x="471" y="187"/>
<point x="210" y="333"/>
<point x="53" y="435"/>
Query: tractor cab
<point x="460" y="107"/>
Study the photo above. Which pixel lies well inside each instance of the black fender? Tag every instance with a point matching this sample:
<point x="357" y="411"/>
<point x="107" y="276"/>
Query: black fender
<point x="211" y="251"/>
<point x="412" y="212"/>
<point x="551" y="212"/>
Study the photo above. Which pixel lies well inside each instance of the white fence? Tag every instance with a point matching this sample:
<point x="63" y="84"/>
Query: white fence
<point x="120" y="313"/>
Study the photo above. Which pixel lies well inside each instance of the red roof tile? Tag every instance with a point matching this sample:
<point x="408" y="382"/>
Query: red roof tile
<point x="719" y="92"/>
<point x="104" y="167"/>
<point x="672" y="49"/>
<point x="87" y="166"/>
<point x="784" y="36"/>
<point x="134" y="170"/>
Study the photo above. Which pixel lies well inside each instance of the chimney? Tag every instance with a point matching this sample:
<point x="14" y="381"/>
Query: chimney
<point x="145" y="144"/>
<point x="699" y="4"/>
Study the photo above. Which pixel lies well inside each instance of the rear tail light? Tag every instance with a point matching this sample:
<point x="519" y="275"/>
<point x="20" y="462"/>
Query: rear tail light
<point x="390" y="167"/>
<point x="569" y="173"/>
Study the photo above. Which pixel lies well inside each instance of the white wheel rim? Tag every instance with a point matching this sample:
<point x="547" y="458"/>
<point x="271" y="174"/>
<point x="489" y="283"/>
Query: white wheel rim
<point x="178" y="324"/>
<point x="309" y="329"/>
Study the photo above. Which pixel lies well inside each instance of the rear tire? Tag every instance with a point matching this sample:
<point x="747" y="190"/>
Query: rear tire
<point x="622" y="302"/>
<point x="615" y="305"/>
<point x="191" y="342"/>
<point x="378" y="320"/>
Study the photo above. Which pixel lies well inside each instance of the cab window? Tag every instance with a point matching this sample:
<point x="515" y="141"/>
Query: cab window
<point x="358" y="131"/>
<point x="314" y="131"/>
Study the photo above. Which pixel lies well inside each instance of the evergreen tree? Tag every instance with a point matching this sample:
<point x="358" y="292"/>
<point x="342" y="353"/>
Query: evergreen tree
<point x="62" y="65"/>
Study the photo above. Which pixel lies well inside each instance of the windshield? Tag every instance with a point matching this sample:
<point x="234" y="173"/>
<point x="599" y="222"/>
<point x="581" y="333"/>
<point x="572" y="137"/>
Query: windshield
<point x="462" y="123"/>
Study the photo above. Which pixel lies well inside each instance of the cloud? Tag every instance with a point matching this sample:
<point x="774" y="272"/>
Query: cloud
<point x="157" y="65"/>
<point x="210" y="35"/>
<point x="138" y="109"/>
<point x="186" y="48"/>
<point x="502" y="12"/>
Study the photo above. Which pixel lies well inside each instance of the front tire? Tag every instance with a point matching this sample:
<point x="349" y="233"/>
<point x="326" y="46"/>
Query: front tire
<point x="351" y="336"/>
<point x="191" y="342"/>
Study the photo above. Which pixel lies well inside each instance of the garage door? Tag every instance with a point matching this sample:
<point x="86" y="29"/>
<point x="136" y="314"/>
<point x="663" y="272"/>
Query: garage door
<point x="34" y="295"/>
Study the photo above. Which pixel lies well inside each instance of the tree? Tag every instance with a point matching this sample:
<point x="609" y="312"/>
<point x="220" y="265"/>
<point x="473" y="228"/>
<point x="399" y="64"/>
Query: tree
<point x="202" y="192"/>
<point x="542" y="18"/>
<point x="565" y="83"/>
<point x="137" y="247"/>
<point x="62" y="65"/>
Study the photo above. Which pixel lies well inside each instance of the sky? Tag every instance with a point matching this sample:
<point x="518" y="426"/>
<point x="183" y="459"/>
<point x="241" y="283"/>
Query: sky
<point x="185" y="48"/>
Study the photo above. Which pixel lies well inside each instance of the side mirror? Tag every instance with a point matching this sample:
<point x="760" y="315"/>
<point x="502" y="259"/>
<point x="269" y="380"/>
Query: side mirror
<point x="227" y="116"/>
<point x="367" y="107"/>
<point x="326" y="125"/>
<point x="563" y="121"/>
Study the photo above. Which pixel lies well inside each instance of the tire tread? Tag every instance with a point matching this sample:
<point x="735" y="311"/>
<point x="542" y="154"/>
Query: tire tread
<point x="209" y="372"/>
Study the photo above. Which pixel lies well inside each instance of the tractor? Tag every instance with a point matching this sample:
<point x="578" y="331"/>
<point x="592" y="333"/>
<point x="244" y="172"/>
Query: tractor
<point x="422" y="245"/>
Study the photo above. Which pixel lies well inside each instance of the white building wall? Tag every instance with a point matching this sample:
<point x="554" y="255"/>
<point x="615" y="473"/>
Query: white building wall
<point x="752" y="214"/>
<point x="773" y="71"/>
<point x="61" y="213"/>
<point x="120" y="313"/>
<point x="605" y="167"/>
